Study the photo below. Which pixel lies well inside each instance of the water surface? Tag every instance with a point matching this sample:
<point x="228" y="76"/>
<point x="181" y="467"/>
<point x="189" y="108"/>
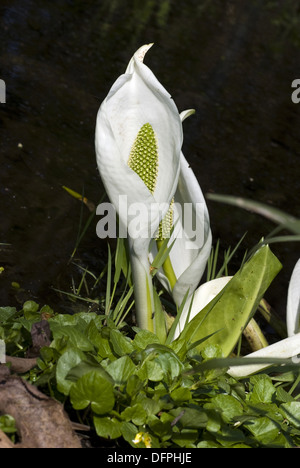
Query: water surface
<point x="233" y="61"/>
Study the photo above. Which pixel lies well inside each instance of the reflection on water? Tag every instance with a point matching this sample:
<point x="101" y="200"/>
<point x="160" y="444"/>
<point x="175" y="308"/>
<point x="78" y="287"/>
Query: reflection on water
<point x="233" y="62"/>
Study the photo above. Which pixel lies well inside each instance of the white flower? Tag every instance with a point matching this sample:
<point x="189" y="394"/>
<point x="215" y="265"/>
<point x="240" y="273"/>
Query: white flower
<point x="287" y="348"/>
<point x="202" y="296"/>
<point x="293" y="302"/>
<point x="192" y="234"/>
<point x="138" y="143"/>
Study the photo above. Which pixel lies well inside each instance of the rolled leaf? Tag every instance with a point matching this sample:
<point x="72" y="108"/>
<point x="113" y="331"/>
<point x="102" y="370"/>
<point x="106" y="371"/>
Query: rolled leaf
<point x="225" y="317"/>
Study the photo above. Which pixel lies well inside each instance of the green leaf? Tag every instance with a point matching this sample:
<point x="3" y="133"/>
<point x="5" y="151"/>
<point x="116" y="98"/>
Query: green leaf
<point x="185" y="438"/>
<point x="30" y="307"/>
<point x="230" y="407"/>
<point x="136" y="414"/>
<point x="159" y="362"/>
<point x="143" y="338"/>
<point x="181" y="394"/>
<point x="150" y="405"/>
<point x="88" y="364"/>
<point x="283" y="395"/>
<point x="121" y="369"/>
<point x="73" y="334"/>
<point x="121" y="344"/>
<point x="263" y="389"/>
<point x="129" y="432"/>
<point x="7" y="424"/>
<point x="229" y="312"/>
<point x="264" y="429"/>
<point x="194" y="418"/>
<point x="150" y="370"/>
<point x="92" y="389"/>
<point x="292" y="412"/>
<point x="110" y="428"/>
<point x="229" y="436"/>
<point x="134" y="385"/>
<point x="66" y="362"/>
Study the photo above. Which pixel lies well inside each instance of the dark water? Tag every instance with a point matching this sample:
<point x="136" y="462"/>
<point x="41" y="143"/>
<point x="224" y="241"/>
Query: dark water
<point x="233" y="61"/>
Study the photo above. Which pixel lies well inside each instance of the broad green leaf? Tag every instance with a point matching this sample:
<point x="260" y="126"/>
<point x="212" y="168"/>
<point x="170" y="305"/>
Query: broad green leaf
<point x="229" y="406"/>
<point x="190" y="417"/>
<point x="185" y="438"/>
<point x="30" y="307"/>
<point x="208" y="444"/>
<point x="143" y="338"/>
<point x="263" y="389"/>
<point x="292" y="412"/>
<point x="62" y="320"/>
<point x="181" y="394"/>
<point x="228" y="313"/>
<point x="84" y="367"/>
<point x="121" y="343"/>
<point x="150" y="405"/>
<point x="283" y="395"/>
<point x="229" y="436"/>
<point x="161" y="425"/>
<point x="150" y="370"/>
<point x="93" y="389"/>
<point x="121" y="369"/>
<point x="129" y="431"/>
<point x="75" y="336"/>
<point x="159" y="362"/>
<point x="264" y="429"/>
<point x="136" y="414"/>
<point x="66" y="362"/>
<point x="170" y="364"/>
<point x="109" y="428"/>
<point x="134" y="385"/>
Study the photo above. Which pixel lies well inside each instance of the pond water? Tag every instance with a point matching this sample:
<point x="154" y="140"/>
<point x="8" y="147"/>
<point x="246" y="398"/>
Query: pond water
<point x="232" y="61"/>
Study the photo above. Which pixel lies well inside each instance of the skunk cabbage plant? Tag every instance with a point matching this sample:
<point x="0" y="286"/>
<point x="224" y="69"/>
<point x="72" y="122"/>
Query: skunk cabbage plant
<point x="138" y="144"/>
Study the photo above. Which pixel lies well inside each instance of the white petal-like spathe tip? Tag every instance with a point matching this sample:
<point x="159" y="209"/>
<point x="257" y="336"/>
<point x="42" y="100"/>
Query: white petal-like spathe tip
<point x="139" y="55"/>
<point x="293" y="302"/>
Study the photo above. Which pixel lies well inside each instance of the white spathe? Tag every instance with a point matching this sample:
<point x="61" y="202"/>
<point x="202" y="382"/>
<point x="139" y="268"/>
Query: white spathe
<point x="284" y="349"/>
<point x="202" y="296"/>
<point x="137" y="98"/>
<point x="293" y="302"/>
<point x="192" y="246"/>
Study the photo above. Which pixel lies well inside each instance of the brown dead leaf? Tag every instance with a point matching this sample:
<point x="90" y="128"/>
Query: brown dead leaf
<point x="41" y="421"/>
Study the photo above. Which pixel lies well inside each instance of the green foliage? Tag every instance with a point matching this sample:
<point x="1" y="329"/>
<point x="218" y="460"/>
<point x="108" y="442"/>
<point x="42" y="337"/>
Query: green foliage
<point x="224" y="317"/>
<point x="130" y="386"/>
<point x="7" y="425"/>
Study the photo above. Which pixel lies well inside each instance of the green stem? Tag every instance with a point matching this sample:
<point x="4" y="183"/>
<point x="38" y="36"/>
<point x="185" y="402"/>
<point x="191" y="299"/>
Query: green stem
<point x="143" y="289"/>
<point x="167" y="266"/>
